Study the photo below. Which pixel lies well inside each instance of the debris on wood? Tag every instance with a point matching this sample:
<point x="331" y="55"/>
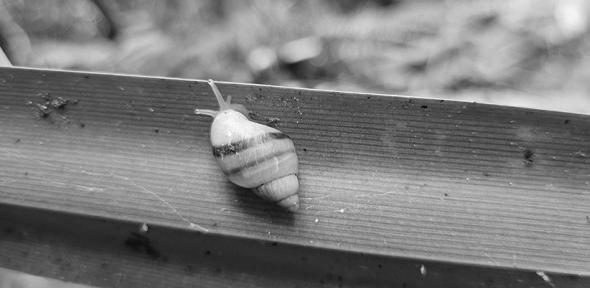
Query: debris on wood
<point x="144" y="228"/>
<point x="269" y="121"/>
<point x="50" y="104"/>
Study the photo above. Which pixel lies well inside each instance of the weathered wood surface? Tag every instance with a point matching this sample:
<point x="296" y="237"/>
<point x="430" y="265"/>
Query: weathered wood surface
<point x="390" y="176"/>
<point x="116" y="254"/>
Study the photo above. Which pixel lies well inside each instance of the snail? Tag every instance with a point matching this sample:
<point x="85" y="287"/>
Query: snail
<point x="253" y="155"/>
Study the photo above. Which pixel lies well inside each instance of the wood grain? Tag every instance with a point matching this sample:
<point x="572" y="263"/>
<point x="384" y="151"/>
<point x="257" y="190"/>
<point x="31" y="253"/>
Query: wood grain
<point x="108" y="253"/>
<point x="391" y="176"/>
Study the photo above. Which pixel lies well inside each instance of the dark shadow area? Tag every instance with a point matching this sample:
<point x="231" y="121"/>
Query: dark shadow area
<point x="106" y="253"/>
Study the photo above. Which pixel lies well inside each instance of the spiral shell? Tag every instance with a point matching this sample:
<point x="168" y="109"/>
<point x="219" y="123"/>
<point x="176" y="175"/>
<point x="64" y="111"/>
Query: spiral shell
<point x="252" y="155"/>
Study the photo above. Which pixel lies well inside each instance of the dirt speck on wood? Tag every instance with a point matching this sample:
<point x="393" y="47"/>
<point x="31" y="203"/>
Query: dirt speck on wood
<point x="50" y="104"/>
<point x="580" y="154"/>
<point x="269" y="121"/>
<point x="528" y="155"/>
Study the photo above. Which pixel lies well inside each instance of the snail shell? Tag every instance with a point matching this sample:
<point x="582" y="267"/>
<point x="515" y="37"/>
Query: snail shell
<point x="252" y="155"/>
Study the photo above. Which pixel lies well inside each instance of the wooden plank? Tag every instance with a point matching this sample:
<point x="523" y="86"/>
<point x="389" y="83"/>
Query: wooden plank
<point x="391" y="176"/>
<point x="116" y="254"/>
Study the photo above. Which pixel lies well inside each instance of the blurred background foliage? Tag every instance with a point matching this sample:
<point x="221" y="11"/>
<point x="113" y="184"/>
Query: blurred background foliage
<point x="532" y="53"/>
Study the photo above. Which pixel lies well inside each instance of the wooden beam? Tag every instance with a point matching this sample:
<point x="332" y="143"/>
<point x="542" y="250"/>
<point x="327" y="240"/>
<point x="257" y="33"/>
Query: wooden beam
<point x="384" y="175"/>
<point x="107" y="253"/>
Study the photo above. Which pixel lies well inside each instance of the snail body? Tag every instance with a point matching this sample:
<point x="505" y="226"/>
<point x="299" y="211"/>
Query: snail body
<point x="253" y="155"/>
